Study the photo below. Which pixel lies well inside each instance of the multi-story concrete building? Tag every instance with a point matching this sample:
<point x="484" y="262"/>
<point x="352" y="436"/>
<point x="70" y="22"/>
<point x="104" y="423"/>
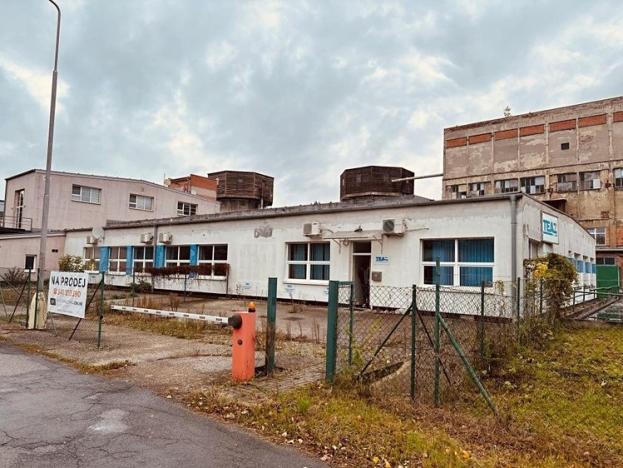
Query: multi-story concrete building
<point x="86" y="201"/>
<point x="569" y="157"/>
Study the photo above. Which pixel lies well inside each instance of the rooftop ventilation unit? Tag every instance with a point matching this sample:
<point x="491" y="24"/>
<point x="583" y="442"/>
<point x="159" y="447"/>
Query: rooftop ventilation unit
<point x="165" y="238"/>
<point x="311" y="229"/>
<point x="391" y="227"/>
<point x="147" y="238"/>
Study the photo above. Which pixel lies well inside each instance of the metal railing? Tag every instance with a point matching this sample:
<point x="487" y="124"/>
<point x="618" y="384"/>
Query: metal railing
<point x="19" y="223"/>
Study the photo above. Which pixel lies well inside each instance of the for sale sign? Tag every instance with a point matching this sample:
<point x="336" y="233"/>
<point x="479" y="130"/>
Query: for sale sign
<point x="68" y="293"/>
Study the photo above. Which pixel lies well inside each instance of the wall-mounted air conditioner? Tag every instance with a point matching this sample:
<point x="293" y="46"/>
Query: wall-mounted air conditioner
<point x="311" y="229"/>
<point x="147" y="238"/>
<point x="393" y="227"/>
<point x="91" y="240"/>
<point x="165" y="238"/>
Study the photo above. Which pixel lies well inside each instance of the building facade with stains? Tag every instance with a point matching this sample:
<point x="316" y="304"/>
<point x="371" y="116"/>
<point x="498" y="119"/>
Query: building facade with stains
<point x="569" y="157"/>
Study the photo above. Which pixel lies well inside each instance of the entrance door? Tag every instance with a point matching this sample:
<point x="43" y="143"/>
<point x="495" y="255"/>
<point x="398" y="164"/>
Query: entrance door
<point x="362" y="254"/>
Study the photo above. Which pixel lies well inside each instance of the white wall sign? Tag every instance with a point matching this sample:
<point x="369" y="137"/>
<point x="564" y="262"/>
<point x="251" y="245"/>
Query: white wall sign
<point x="381" y="260"/>
<point x="549" y="227"/>
<point x="67" y="294"/>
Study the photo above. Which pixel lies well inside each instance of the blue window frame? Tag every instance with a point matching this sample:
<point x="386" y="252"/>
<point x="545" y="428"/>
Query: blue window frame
<point x="463" y="262"/>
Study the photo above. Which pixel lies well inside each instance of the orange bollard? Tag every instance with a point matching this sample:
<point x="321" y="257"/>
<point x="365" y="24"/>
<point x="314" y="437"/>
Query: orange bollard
<point x="243" y="348"/>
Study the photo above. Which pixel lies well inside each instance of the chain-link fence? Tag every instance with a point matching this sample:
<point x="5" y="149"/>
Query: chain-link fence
<point x="402" y="349"/>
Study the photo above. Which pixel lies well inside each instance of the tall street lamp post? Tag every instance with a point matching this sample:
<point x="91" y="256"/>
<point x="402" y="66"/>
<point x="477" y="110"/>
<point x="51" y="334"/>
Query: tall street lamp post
<point x="48" y="165"/>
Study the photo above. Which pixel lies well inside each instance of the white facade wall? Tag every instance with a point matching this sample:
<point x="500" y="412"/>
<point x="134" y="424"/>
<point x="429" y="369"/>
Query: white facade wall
<point x="66" y="213"/>
<point x="15" y="248"/>
<point x="253" y="259"/>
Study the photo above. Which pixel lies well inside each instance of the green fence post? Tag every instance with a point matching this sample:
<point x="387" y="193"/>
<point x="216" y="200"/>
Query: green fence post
<point x="351" y="326"/>
<point x="437" y="395"/>
<point x="332" y="331"/>
<point x="413" y="341"/>
<point x="481" y="325"/>
<point x="271" y="321"/>
<point x="101" y="311"/>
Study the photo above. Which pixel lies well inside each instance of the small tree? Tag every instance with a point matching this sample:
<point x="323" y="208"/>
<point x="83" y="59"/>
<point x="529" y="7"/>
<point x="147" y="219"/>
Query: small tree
<point x="71" y="263"/>
<point x="556" y="276"/>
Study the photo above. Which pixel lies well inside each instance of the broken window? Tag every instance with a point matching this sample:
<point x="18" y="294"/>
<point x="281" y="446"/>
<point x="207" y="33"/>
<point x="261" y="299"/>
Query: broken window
<point x="599" y="234"/>
<point x="567" y="182"/>
<point x="590" y="180"/>
<point x="533" y="185"/>
<point x="506" y="186"/>
<point x="457" y="191"/>
<point x="477" y="189"/>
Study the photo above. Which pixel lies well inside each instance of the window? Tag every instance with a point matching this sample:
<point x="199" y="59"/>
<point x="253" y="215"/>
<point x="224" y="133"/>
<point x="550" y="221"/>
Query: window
<point x="477" y="189"/>
<point x="457" y="192"/>
<point x="186" y="209"/>
<point x="533" y="185"/>
<point x="309" y="261"/>
<point x="141" y="202"/>
<point x="506" y="186"/>
<point x="29" y="262"/>
<point x="564" y="146"/>
<point x="143" y="259"/>
<point x="606" y="261"/>
<point x="590" y="180"/>
<point x="177" y="255"/>
<point x="118" y="258"/>
<point x="86" y="194"/>
<point x="618" y="178"/>
<point x="567" y="182"/>
<point x="216" y="256"/>
<point x="91" y="258"/>
<point x="599" y="234"/>
<point x="462" y="262"/>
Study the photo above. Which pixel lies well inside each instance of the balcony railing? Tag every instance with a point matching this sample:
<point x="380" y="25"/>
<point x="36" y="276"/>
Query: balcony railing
<point x="16" y="223"/>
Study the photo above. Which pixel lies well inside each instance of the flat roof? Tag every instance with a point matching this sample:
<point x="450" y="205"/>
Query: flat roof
<point x="123" y="179"/>
<point x="532" y="114"/>
<point x="321" y="208"/>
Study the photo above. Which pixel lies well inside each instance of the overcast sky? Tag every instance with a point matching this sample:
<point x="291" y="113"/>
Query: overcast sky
<point x="299" y="90"/>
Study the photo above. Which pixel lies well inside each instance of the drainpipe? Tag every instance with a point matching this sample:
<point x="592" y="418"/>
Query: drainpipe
<point x="514" y="247"/>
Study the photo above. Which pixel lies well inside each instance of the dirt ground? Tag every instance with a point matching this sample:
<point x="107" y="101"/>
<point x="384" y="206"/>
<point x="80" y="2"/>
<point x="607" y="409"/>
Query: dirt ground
<point x="171" y="365"/>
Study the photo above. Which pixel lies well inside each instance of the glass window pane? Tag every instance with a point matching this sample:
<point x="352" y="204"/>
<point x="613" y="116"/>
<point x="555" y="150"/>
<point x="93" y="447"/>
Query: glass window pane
<point x="205" y="253"/>
<point x="121" y="266"/>
<point x="220" y="252"/>
<point x="185" y="252"/>
<point x="297" y="272"/>
<point x="446" y="275"/>
<point x="75" y="190"/>
<point x="149" y="264"/>
<point x="123" y="252"/>
<point x="139" y="252"/>
<point x="474" y="276"/>
<point x="320" y="272"/>
<point x="171" y="253"/>
<point x="320" y="252"/>
<point x="297" y="252"/>
<point x="476" y="250"/>
<point x="149" y="253"/>
<point x="362" y="247"/>
<point x="442" y="249"/>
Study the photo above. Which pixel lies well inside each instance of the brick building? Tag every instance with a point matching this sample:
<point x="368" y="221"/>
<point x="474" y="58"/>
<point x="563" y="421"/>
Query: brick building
<point x="569" y="157"/>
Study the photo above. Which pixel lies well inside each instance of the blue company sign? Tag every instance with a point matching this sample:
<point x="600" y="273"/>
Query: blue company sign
<point x="381" y="260"/>
<point x="549" y="226"/>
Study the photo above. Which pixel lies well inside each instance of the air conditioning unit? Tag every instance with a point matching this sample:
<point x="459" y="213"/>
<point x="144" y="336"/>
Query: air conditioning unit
<point x="392" y="227"/>
<point x="147" y="238"/>
<point x="91" y="240"/>
<point x="165" y="238"/>
<point x="311" y="229"/>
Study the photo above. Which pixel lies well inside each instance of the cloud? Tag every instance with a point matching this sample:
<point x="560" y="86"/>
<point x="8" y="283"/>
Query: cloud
<point x="297" y="89"/>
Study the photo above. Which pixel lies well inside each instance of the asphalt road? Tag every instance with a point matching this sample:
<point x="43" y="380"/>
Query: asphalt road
<point x="52" y="416"/>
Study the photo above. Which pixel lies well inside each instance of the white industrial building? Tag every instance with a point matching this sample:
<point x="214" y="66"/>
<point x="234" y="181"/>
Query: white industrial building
<point x="382" y="242"/>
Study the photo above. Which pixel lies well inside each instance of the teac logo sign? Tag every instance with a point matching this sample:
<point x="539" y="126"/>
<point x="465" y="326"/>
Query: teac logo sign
<point x="549" y="227"/>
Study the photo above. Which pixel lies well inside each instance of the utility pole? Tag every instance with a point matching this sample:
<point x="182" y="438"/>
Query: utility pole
<point x="48" y="165"/>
